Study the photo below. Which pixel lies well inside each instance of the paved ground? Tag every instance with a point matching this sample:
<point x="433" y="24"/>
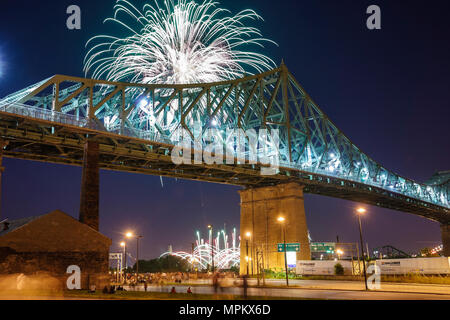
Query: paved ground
<point x="343" y="285"/>
<point x="327" y="294"/>
<point x="357" y="285"/>
<point x="319" y="289"/>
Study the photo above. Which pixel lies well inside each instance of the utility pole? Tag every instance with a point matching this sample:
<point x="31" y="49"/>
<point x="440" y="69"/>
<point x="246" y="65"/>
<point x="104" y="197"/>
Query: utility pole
<point x="137" y="257"/>
<point x="246" y="255"/>
<point x="210" y="227"/>
<point x="282" y="220"/>
<point x="360" y="212"/>
<point x="285" y="255"/>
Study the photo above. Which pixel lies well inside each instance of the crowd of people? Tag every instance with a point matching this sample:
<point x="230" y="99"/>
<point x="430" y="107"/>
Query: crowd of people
<point x="175" y="277"/>
<point x="143" y="281"/>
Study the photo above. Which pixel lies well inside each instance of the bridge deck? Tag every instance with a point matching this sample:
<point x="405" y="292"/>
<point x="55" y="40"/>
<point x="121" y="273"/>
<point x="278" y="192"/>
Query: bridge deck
<point x="42" y="140"/>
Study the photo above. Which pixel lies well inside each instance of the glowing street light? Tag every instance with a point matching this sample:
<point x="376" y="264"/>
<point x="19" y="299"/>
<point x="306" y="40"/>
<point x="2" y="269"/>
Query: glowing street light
<point x="360" y="211"/>
<point x="339" y="252"/>
<point x="282" y="220"/>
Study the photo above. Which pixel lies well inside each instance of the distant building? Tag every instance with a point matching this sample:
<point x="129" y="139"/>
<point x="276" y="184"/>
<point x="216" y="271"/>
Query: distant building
<point x="52" y="242"/>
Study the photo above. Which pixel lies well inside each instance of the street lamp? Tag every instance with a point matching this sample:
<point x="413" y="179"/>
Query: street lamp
<point x="131" y="235"/>
<point x="210" y="227"/>
<point x="282" y="221"/>
<point x="123" y="244"/>
<point x="360" y="211"/>
<point x="339" y="252"/>
<point x="247" y="236"/>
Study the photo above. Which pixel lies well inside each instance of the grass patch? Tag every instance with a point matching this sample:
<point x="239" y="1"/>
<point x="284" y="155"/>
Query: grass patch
<point x="410" y="278"/>
<point x="416" y="278"/>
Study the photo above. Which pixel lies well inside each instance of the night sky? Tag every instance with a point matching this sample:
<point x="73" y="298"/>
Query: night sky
<point x="387" y="90"/>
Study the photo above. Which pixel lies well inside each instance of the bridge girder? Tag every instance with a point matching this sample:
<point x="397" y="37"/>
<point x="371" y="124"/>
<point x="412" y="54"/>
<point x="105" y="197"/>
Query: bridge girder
<point x="135" y="125"/>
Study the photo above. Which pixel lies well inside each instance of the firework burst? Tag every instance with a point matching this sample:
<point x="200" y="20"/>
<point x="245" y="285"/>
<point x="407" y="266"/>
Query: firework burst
<point x="226" y="255"/>
<point x="179" y="42"/>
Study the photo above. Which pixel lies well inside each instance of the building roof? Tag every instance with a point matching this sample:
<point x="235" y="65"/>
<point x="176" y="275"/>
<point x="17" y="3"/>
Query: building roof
<point x="52" y="232"/>
<point x="16" y="224"/>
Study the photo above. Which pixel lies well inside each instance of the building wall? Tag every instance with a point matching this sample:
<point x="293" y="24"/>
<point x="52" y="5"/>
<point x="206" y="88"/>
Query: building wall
<point x="93" y="265"/>
<point x="51" y="244"/>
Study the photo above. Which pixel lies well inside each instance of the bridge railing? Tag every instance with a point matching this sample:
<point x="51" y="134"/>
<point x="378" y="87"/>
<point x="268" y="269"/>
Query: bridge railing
<point x="82" y="122"/>
<point x="43" y="114"/>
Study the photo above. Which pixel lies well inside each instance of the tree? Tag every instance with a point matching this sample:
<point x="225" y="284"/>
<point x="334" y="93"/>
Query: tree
<point x="338" y="269"/>
<point x="165" y="264"/>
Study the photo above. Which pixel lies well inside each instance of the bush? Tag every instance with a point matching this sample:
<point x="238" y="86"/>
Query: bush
<point x="274" y="274"/>
<point x="338" y="269"/>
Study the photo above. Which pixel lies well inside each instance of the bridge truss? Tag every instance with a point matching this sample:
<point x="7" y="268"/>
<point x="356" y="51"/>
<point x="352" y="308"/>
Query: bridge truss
<point x="135" y="125"/>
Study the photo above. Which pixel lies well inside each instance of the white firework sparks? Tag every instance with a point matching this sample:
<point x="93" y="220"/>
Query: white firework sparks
<point x="225" y="257"/>
<point x="180" y="42"/>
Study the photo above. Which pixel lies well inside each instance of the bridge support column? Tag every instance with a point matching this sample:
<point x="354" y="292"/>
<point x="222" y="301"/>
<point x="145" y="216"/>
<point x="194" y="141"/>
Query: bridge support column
<point x="260" y="210"/>
<point x="3" y="144"/>
<point x="445" y="234"/>
<point x="90" y="184"/>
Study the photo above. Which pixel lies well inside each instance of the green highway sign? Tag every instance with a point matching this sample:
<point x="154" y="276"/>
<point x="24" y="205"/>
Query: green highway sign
<point x="291" y="247"/>
<point x="328" y="247"/>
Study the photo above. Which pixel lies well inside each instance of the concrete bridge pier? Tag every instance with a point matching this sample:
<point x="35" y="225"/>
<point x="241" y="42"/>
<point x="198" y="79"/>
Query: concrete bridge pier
<point x="90" y="184"/>
<point x="3" y="144"/>
<point x="260" y="210"/>
<point x="445" y="234"/>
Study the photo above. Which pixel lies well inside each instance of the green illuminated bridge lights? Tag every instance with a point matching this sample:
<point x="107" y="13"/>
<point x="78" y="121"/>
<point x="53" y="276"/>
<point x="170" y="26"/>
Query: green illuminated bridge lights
<point x="136" y="127"/>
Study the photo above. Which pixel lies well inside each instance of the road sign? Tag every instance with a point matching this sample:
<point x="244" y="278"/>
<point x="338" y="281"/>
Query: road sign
<point x="327" y="247"/>
<point x="291" y="247"/>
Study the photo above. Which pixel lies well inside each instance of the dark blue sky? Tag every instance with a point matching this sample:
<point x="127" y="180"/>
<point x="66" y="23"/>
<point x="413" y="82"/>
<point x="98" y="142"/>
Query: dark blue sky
<point x="386" y="89"/>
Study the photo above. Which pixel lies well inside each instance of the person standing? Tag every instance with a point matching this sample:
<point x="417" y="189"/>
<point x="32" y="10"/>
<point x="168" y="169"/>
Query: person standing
<point x="245" y="285"/>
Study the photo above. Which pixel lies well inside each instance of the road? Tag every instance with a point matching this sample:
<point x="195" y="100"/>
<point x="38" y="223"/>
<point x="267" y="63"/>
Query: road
<point x="342" y="285"/>
<point x="319" y="289"/>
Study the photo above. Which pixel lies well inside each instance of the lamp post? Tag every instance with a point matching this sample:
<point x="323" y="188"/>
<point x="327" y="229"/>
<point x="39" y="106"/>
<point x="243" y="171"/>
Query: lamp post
<point x="282" y="220"/>
<point x="210" y="227"/>
<point x="247" y="237"/>
<point x="361" y="211"/>
<point x="130" y="235"/>
<point x="137" y="255"/>
<point x="123" y="244"/>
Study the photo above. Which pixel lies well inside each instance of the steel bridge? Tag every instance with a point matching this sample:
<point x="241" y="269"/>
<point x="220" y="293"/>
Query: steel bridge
<point x="135" y="125"/>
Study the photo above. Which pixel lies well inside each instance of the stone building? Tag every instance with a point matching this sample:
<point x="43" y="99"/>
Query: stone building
<point x="52" y="242"/>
